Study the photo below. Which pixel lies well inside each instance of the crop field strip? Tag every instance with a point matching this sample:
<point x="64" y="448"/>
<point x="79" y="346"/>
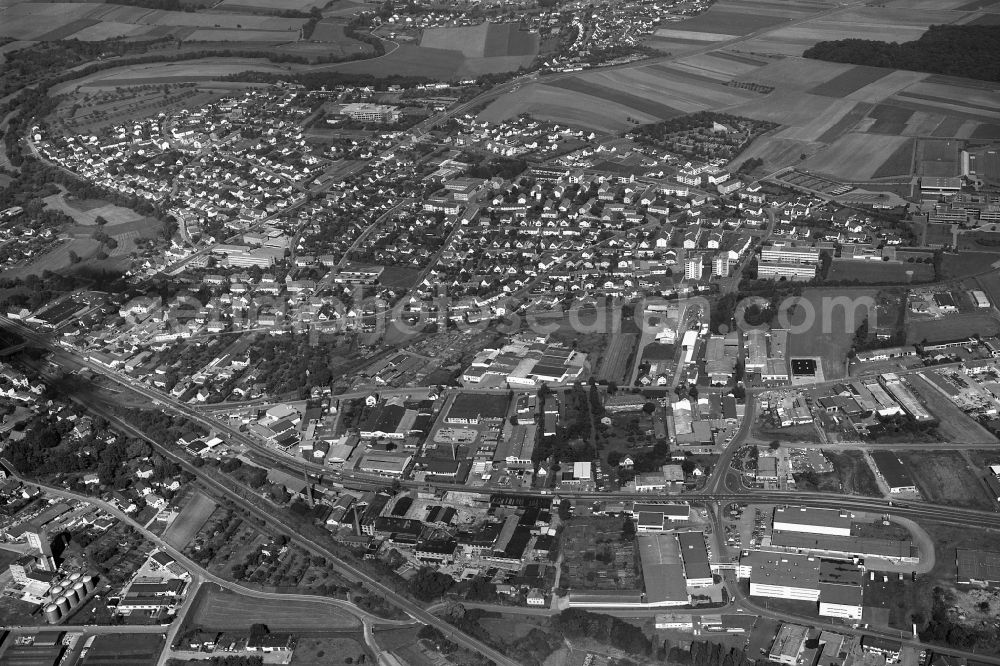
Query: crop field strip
<point x="226" y="611"/>
<point x="642" y="104"/>
<point x="850" y="81"/>
<point x="899" y="162"/>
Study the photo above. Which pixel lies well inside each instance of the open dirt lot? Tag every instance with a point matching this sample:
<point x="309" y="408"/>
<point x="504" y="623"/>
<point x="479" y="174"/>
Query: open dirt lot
<point x="944" y="477"/>
<point x="955" y="425"/>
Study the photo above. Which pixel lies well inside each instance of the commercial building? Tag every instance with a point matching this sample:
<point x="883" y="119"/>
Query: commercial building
<point x="840" y="590"/>
<point x="899" y="551"/>
<point x="788" y="644"/>
<point x="812" y="521"/>
<point x="694" y="555"/>
<point x="780" y="269"/>
<point x="891" y="470"/>
<point x="782" y="575"/>
<point x="656" y="518"/>
<point x="662" y="570"/>
<point x="909" y="402"/>
<point x="371" y="113"/>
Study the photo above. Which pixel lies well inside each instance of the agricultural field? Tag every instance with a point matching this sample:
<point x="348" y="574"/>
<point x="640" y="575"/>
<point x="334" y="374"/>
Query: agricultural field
<point x="951" y="327"/>
<point x="955" y="425"/>
<point x="899" y="162"/>
<point x="565" y="106"/>
<point x="944" y="477"/>
<point x="270" y="5"/>
<point x="86" y="21"/>
<point x="832" y="334"/>
<point x="190" y="520"/>
<point x="221" y="610"/>
<point x="486" y="40"/>
<point x="854" y="156"/>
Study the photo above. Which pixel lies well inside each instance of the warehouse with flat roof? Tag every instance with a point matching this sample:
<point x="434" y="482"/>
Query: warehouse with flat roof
<point x="662" y="570"/>
<point x="812" y="521"/>
<point x="891" y="470"/>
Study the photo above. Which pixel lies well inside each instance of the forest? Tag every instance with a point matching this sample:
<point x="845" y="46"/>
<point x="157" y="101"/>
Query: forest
<point x="971" y="51"/>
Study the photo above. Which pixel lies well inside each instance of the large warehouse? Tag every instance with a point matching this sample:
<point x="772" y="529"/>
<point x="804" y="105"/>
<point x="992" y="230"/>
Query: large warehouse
<point x="812" y="521"/>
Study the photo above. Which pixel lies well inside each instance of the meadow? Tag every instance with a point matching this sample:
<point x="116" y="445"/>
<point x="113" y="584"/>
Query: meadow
<point x="189" y="522"/>
<point x="228" y="611"/>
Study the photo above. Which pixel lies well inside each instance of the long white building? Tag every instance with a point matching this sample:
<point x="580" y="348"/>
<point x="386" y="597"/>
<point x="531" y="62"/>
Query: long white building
<point x="812" y="521"/>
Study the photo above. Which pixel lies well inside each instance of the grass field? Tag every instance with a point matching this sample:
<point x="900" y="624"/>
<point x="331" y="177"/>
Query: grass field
<point x="951" y="327"/>
<point x="328" y="651"/>
<point x="943" y="477"/>
<point x="880" y="271"/>
<point x="614" y="363"/>
<point x="190" y="520"/>
<point x="832" y="333"/>
<point x="219" y="610"/>
<point x="955" y="425"/>
<point x="86" y="212"/>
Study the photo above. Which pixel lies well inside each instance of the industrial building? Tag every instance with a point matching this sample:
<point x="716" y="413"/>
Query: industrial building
<point x="891" y="470"/>
<point x="812" y="521"/>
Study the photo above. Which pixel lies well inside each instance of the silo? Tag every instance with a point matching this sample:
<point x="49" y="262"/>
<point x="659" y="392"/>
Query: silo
<point x="70" y="596"/>
<point x="75" y="577"/>
<point x="56" y="592"/>
<point x="80" y="590"/>
<point x="52" y="614"/>
<point x="63" y="604"/>
<point x="89" y="582"/>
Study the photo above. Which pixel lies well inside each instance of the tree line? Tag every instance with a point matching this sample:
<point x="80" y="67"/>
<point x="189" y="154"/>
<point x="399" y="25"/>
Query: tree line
<point x="971" y="51"/>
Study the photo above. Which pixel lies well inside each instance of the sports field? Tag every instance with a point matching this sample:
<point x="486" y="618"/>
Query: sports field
<point x="951" y="327"/>
<point x="881" y="272"/>
<point x="190" y="520"/>
<point x="220" y="610"/>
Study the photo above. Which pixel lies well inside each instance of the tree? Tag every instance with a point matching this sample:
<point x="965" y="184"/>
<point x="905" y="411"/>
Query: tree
<point x="775" y="445"/>
<point x="688" y="466"/>
<point x="649" y="407"/>
<point x="628" y="530"/>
